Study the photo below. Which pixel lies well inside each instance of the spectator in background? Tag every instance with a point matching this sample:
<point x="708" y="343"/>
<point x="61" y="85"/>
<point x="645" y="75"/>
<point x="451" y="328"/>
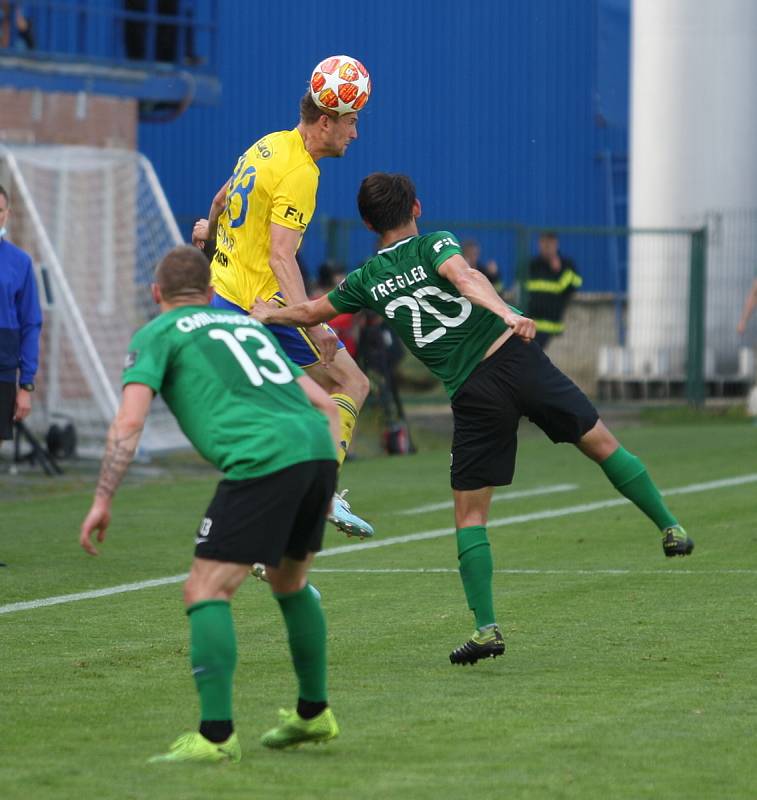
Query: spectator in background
<point x="330" y="274"/>
<point x="166" y="34"/>
<point x="15" y="27"/>
<point x="472" y="254"/>
<point x="135" y="31"/>
<point x="20" y="324"/>
<point x="552" y="279"/>
<point x="750" y="303"/>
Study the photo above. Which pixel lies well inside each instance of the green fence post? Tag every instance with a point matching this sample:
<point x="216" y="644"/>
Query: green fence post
<point x="695" y="378"/>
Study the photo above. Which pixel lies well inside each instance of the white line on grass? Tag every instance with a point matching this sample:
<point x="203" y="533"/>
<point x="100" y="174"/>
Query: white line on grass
<point x="450" y="570"/>
<point x="413" y="537"/>
<point x="565" y="511"/>
<point x="72" y="598"/>
<point x="514" y="495"/>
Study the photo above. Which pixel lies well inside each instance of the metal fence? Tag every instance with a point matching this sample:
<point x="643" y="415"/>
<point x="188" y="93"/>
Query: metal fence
<point x="177" y="32"/>
<point x="656" y="316"/>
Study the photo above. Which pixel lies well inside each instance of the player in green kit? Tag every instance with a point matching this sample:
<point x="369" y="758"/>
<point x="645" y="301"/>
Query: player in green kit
<point x="450" y="318"/>
<point x="272" y="431"/>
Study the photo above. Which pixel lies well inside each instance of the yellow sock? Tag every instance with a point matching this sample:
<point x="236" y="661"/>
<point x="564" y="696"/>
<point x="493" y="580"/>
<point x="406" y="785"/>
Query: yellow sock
<point x="347" y="420"/>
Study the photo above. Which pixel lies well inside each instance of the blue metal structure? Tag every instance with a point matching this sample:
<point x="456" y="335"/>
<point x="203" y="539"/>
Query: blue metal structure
<point x="499" y="109"/>
<point x="81" y="45"/>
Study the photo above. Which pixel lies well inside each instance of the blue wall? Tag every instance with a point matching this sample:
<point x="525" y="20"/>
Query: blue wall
<point x="499" y="109"/>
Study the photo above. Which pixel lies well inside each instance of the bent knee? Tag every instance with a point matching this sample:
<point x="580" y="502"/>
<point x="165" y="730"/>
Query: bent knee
<point x="192" y="593"/>
<point x="195" y="591"/>
<point x="598" y="443"/>
<point x="355" y="384"/>
<point x="362" y="389"/>
<point x="471" y="520"/>
<point x="288" y="585"/>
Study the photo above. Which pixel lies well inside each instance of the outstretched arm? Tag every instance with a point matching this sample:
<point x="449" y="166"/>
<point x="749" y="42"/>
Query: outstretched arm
<point x="121" y="444"/>
<point x="749" y="305"/>
<point x="301" y="315"/>
<point x="476" y="287"/>
<point x="283" y="263"/>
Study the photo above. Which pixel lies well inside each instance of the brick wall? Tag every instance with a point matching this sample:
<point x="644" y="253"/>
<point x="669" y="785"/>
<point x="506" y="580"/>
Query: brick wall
<point x="57" y="118"/>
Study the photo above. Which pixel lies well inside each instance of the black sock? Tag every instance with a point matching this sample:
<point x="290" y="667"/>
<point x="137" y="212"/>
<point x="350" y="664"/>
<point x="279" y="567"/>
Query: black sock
<point x="216" y="730"/>
<point x="308" y="709"/>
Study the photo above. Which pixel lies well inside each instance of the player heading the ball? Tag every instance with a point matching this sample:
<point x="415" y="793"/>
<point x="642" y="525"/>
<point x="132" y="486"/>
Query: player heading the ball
<point x="256" y="224"/>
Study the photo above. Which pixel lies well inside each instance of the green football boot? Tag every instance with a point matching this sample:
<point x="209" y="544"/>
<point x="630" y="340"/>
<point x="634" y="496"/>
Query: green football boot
<point x="483" y="644"/>
<point x="295" y="730"/>
<point x="676" y="542"/>
<point x="195" y="747"/>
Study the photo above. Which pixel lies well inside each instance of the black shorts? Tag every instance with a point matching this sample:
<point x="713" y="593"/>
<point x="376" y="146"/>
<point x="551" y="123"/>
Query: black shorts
<point x="7" y="409"/>
<point x="264" y="519"/>
<point x="517" y="380"/>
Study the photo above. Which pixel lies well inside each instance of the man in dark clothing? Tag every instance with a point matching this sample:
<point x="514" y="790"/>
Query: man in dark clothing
<point x="20" y="324"/>
<point x="472" y="254"/>
<point x="552" y="279"/>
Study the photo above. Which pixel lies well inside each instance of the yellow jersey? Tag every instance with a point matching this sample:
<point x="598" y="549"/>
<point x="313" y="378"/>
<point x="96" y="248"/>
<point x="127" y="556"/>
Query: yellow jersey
<point x="275" y="180"/>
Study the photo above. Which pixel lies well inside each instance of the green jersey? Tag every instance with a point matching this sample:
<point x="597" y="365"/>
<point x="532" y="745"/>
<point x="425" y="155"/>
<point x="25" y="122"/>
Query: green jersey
<point x="232" y="390"/>
<point x="440" y="327"/>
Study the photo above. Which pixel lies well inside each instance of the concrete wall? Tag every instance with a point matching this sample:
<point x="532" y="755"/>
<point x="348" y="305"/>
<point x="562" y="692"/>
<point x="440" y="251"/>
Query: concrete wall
<point x="589" y="324"/>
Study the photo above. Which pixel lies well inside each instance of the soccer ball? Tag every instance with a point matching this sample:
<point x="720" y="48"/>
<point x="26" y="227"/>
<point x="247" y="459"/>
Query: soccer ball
<point x="341" y="84"/>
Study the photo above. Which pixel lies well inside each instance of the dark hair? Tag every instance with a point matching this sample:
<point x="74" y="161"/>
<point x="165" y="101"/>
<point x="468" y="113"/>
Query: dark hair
<point x="310" y="112"/>
<point x="549" y="235"/>
<point x="4" y="193"/>
<point x="183" y="272"/>
<point x="386" y="201"/>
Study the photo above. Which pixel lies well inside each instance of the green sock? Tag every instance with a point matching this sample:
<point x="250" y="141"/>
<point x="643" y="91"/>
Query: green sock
<point x="629" y="476"/>
<point x="476" y="568"/>
<point x="214" y="656"/>
<point x="306" y="626"/>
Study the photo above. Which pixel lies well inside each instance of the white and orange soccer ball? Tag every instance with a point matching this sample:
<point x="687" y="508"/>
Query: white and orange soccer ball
<point x="341" y="84"/>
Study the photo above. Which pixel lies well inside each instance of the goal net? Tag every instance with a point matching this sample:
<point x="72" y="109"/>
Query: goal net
<point x="95" y="222"/>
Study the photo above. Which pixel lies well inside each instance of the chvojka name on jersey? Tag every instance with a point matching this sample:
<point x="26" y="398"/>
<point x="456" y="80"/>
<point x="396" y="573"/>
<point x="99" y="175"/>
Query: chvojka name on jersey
<point x="403" y="281"/>
<point x="203" y="318"/>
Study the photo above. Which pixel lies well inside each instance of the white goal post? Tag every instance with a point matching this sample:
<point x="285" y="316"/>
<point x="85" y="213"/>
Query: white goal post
<point x="95" y="222"/>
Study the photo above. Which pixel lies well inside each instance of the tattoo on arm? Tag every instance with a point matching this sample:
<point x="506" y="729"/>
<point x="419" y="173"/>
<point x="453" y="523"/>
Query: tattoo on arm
<point x="119" y="452"/>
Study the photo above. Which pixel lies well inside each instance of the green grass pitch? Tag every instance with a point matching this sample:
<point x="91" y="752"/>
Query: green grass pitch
<point x="627" y="675"/>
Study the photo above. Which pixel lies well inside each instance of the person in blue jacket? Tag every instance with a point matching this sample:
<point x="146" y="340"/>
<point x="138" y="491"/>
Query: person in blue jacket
<point x="20" y="325"/>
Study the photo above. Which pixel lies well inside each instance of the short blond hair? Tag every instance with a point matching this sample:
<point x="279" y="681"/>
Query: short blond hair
<point x="183" y="272"/>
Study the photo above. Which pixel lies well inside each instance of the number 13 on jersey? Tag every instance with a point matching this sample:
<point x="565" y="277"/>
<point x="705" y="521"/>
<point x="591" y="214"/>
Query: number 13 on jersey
<point x="280" y="372"/>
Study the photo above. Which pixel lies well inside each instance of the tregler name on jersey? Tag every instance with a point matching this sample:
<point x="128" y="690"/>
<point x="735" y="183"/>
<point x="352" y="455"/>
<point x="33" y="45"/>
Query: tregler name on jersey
<point x="438" y="325"/>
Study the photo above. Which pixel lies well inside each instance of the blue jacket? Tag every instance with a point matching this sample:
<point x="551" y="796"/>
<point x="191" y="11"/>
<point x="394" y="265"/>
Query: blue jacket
<point x="20" y="316"/>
